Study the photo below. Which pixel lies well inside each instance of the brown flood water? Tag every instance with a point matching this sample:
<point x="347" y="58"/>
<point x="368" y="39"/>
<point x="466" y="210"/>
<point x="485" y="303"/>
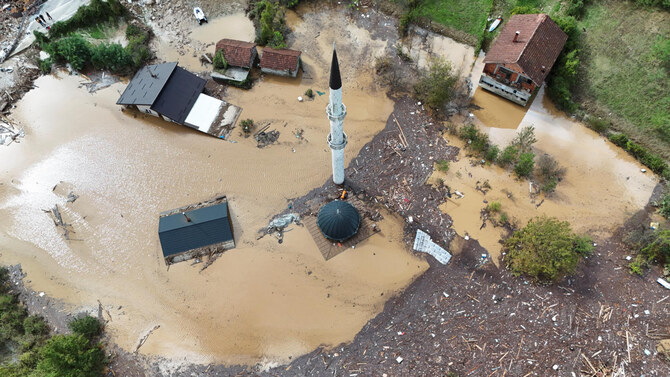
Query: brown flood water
<point x="259" y="302"/>
<point x="602" y="185"/>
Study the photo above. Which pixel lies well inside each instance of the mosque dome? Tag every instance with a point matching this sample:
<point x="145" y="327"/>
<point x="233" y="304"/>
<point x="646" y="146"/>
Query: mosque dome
<point x="338" y="220"/>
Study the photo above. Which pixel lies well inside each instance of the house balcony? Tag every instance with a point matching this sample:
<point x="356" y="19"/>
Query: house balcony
<point x="512" y="92"/>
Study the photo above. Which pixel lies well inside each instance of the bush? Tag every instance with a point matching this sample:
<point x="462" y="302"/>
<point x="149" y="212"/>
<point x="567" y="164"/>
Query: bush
<point x="73" y="49"/>
<point x="219" y="61"/>
<point x="545" y="250"/>
<point x="35" y="325"/>
<point x="619" y="140"/>
<point x="436" y="86"/>
<point x="88" y="326"/>
<point x="476" y="140"/>
<point x="272" y="24"/>
<point x="504" y="218"/>
<point x="70" y="356"/>
<point x="563" y="76"/>
<point x="575" y="8"/>
<point x="112" y="57"/>
<point x="524" y="167"/>
<point x="664" y="206"/>
<point x="247" y="125"/>
<point x="309" y="93"/>
<point x="508" y="156"/>
<point x="525" y="139"/>
<point x="138" y="44"/>
<point x="442" y="165"/>
<point x="598" y="125"/>
<point x="654" y="248"/>
<point x="494" y="207"/>
<point x="45" y="65"/>
<point x="492" y="153"/>
<point x="548" y="173"/>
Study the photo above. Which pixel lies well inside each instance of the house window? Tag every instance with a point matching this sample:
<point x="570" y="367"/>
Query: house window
<point x="505" y="72"/>
<point x="524" y="80"/>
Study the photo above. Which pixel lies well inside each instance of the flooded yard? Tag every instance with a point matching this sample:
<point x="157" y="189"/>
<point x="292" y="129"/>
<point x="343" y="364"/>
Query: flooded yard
<point x="602" y="186"/>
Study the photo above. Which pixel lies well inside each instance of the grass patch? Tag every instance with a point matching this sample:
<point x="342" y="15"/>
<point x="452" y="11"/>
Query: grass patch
<point x="632" y="80"/>
<point x="465" y="15"/>
<point x="442" y="165"/>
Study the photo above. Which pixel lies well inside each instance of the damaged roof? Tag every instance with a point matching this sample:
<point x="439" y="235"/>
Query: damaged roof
<point x="280" y="60"/>
<point x="207" y="226"/>
<point x="237" y="53"/>
<point x="536" y="49"/>
<point x="147" y="84"/>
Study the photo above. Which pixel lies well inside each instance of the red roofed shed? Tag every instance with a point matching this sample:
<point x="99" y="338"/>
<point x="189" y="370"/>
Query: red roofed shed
<point x="238" y="53"/>
<point x="282" y="62"/>
<point x="522" y="56"/>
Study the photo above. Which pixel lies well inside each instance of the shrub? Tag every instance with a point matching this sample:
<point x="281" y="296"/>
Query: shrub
<point x="524" y="167"/>
<point x="664" y="206"/>
<point x="563" y="76"/>
<point x="548" y="172"/>
<point x="70" y="356"/>
<point x="508" y="156"/>
<point x="619" y="140"/>
<point x="575" y="8"/>
<point x="138" y="44"/>
<point x="492" y="153"/>
<point x="477" y="141"/>
<point x="654" y="247"/>
<point x="525" y="139"/>
<point x="247" y="125"/>
<point x="442" y="165"/>
<point x="545" y="250"/>
<point x="73" y="49"/>
<point x="97" y="12"/>
<point x="436" y="86"/>
<point x="504" y="218"/>
<point x="88" y="326"/>
<point x="45" y="65"/>
<point x="309" y="93"/>
<point x="219" y="61"/>
<point x="272" y="23"/>
<point x="112" y="57"/>
<point x="494" y="207"/>
<point x="598" y="125"/>
<point x="35" y="325"/>
<point x="583" y="245"/>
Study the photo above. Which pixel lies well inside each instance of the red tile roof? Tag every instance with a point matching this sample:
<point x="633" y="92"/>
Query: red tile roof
<point x="237" y="53"/>
<point x="283" y="59"/>
<point x="539" y="43"/>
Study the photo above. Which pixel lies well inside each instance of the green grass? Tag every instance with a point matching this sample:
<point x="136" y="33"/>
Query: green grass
<point x="465" y="15"/>
<point x="623" y="74"/>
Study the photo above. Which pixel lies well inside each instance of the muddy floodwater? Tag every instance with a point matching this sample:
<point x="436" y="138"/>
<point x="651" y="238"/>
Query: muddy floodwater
<point x="260" y="302"/>
<point x="601" y="188"/>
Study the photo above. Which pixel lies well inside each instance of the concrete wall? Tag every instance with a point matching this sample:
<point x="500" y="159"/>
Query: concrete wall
<point x="515" y="95"/>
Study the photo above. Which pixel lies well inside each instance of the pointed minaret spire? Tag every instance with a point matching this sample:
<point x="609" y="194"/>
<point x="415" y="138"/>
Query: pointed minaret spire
<point x="335" y="80"/>
<point x="336" y="112"/>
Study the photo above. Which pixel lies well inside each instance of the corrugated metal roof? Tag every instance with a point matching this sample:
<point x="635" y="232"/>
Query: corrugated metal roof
<point x="539" y="43"/>
<point x="147" y="84"/>
<point x="179" y="95"/>
<point x="208" y="226"/>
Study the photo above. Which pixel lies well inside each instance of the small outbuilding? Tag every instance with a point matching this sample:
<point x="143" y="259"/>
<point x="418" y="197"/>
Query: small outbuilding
<point x="237" y="53"/>
<point x="522" y="56"/>
<point x="196" y="230"/>
<point x="282" y="62"/>
<point x="338" y="220"/>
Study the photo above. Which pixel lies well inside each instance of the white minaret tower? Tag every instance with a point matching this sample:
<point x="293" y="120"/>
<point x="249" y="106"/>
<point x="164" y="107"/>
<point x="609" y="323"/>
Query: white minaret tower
<point x="336" y="112"/>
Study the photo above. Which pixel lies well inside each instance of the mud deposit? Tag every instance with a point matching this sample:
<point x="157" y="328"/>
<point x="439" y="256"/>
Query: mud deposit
<point x="259" y="302"/>
<point x="602" y="186"/>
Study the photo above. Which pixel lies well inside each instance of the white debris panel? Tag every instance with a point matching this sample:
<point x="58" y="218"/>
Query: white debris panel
<point x="425" y="244"/>
<point x="204" y="112"/>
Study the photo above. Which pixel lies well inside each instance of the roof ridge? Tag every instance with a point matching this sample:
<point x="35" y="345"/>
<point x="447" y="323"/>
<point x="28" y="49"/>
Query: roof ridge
<point x="532" y="35"/>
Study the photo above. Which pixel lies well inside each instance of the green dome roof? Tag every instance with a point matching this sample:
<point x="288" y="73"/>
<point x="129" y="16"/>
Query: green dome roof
<point x="338" y="220"/>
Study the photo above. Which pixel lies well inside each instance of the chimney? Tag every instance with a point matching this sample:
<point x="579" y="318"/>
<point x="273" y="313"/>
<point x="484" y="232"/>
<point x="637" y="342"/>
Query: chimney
<point x="188" y="219"/>
<point x="516" y="36"/>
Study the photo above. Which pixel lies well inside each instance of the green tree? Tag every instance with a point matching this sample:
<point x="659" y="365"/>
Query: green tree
<point x="88" y="326"/>
<point x="508" y="156"/>
<point x="524" y="167"/>
<point x="545" y="250"/>
<point x="112" y="57"/>
<point x="436" y="85"/>
<point x="73" y="49"/>
<point x="525" y="139"/>
<point x="70" y="356"/>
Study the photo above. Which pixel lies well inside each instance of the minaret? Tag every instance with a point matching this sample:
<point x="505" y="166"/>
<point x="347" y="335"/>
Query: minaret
<point x="336" y="112"/>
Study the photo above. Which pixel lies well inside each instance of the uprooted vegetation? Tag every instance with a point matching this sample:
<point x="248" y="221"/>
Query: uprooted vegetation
<point x="66" y="43"/>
